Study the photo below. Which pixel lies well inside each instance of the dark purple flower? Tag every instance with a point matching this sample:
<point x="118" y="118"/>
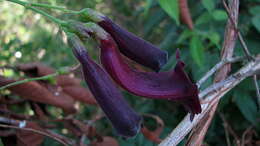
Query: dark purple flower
<point x="173" y="85"/>
<point x="129" y="44"/>
<point x="123" y="118"/>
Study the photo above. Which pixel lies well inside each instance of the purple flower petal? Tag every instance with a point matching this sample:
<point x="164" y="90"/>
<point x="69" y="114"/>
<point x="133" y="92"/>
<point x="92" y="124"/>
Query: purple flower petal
<point x="123" y="118"/>
<point x="129" y="44"/>
<point x="173" y="85"/>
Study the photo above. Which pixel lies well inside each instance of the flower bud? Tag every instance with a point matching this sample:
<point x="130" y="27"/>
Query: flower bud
<point x="129" y="44"/>
<point x="123" y="118"/>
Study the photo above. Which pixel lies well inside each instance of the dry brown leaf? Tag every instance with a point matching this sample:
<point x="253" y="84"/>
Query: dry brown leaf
<point x="28" y="138"/>
<point x="35" y="69"/>
<point x="66" y="80"/>
<point x="70" y="85"/>
<point x="36" y="92"/>
<point x="81" y="94"/>
<point x="39" y="112"/>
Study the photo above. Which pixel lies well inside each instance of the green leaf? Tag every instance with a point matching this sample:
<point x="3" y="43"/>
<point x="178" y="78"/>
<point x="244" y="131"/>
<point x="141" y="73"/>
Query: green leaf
<point x="208" y="4"/>
<point x="256" y="22"/>
<point x="204" y="18"/>
<point x="246" y="105"/>
<point x="171" y="8"/>
<point x="154" y="20"/>
<point x="255" y="10"/>
<point x="219" y="15"/>
<point x="196" y="49"/>
<point x="214" y="37"/>
<point x="184" y="35"/>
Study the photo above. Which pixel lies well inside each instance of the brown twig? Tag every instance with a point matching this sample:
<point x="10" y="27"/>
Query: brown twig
<point x="241" y="40"/>
<point x="244" y="135"/>
<point x="60" y="137"/>
<point x="35" y="131"/>
<point x="229" y="129"/>
<point x="213" y="93"/>
<point x="217" y="67"/>
<point x="226" y="134"/>
<point x="17" y="124"/>
<point x="199" y="132"/>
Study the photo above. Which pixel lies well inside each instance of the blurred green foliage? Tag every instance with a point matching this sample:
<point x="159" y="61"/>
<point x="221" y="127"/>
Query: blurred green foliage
<point x="26" y="37"/>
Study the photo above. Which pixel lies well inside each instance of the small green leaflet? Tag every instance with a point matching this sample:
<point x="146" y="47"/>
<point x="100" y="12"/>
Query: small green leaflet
<point x="219" y="15"/>
<point x="171" y="7"/>
<point x="196" y="49"/>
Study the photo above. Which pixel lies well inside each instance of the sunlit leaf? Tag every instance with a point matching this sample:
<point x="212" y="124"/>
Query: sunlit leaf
<point x="219" y="15"/>
<point x="171" y="8"/>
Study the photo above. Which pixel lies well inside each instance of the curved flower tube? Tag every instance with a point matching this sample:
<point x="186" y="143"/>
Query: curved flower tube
<point x="172" y="85"/>
<point x="125" y="120"/>
<point x="129" y="44"/>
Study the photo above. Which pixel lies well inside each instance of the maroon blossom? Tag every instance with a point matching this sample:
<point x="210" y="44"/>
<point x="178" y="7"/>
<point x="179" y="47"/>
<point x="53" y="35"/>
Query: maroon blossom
<point x="129" y="44"/>
<point x="173" y="85"/>
<point x="125" y="120"/>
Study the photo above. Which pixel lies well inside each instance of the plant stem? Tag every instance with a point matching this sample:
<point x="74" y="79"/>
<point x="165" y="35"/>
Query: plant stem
<point x="29" y="80"/>
<point x="63" y="9"/>
<point x="29" y="6"/>
<point x="47" y="77"/>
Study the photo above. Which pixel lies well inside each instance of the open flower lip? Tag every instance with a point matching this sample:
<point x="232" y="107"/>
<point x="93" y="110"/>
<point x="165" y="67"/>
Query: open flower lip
<point x="173" y="85"/>
<point x="123" y="118"/>
<point x="132" y="46"/>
